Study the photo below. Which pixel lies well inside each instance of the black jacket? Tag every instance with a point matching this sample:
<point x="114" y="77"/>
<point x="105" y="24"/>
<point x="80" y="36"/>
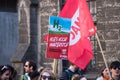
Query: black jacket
<point x="67" y="74"/>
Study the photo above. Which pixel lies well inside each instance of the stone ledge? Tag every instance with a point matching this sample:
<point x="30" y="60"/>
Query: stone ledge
<point x="19" y="53"/>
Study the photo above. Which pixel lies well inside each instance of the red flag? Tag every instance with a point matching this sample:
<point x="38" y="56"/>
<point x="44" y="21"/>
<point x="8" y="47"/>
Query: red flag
<point x="80" y="50"/>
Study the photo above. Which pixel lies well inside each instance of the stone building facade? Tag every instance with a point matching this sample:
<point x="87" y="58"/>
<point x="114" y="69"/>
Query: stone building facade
<point x="108" y="21"/>
<point x="24" y="23"/>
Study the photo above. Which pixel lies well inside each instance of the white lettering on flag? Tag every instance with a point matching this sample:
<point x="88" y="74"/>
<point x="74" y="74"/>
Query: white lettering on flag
<point x="75" y="34"/>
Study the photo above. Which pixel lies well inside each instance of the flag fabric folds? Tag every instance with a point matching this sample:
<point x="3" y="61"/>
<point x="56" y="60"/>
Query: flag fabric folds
<point x="80" y="49"/>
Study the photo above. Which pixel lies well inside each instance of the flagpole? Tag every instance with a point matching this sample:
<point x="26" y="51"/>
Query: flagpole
<point x="103" y="54"/>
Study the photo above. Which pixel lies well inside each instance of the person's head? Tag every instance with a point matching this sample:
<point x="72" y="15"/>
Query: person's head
<point x="4" y="72"/>
<point x="30" y="66"/>
<point x="78" y="77"/>
<point x="105" y="72"/>
<point x="115" y="68"/>
<point x="13" y="72"/>
<point x="47" y="74"/>
<point x="34" y="75"/>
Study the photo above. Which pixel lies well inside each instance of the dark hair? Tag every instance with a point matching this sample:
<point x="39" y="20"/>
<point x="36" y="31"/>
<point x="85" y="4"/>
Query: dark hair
<point x="3" y="68"/>
<point x="13" y="72"/>
<point x="32" y="64"/>
<point x="34" y="74"/>
<point x="11" y="68"/>
<point x="114" y="64"/>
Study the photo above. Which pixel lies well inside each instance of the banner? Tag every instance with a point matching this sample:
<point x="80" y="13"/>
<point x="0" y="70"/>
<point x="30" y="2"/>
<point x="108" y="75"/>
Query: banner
<point x="82" y="26"/>
<point x="58" y="39"/>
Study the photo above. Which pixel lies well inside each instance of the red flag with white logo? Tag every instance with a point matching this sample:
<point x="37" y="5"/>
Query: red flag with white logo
<point x="80" y="49"/>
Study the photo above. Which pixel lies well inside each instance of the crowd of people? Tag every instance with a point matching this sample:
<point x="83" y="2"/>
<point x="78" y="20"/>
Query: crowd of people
<point x="7" y="72"/>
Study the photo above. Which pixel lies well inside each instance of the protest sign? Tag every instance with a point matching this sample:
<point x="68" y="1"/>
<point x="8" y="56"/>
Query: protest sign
<point x="58" y="39"/>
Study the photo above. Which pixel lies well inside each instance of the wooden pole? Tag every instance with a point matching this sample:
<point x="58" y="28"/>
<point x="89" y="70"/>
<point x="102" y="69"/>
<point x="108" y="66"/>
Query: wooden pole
<point x="103" y="54"/>
<point x="55" y="66"/>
